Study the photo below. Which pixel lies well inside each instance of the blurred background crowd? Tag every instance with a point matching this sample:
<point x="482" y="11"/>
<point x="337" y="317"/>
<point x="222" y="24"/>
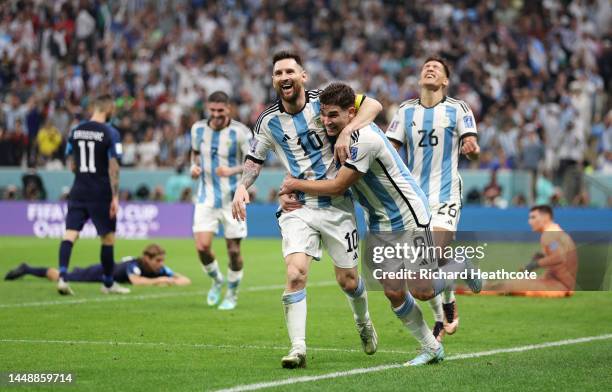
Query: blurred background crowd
<point x="536" y="74"/>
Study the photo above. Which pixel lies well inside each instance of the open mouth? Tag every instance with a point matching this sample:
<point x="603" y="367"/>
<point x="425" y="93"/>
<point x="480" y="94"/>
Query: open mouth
<point x="430" y="76"/>
<point x="287" y="87"/>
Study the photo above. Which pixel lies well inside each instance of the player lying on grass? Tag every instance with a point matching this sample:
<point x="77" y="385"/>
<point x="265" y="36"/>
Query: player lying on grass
<point x="558" y="258"/>
<point x="395" y="205"/>
<point x="146" y="270"/>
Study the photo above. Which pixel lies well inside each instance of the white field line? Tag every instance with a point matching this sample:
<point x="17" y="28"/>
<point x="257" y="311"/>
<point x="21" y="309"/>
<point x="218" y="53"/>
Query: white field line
<point x="296" y="380"/>
<point x="188" y="345"/>
<point x="130" y="297"/>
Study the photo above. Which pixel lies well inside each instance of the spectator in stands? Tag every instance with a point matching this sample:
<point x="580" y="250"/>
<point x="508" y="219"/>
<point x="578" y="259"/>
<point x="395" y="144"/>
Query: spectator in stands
<point x="19" y="143"/>
<point x="32" y="185"/>
<point x="128" y="158"/>
<point x="515" y="63"/>
<point x="148" y="151"/>
<point x="492" y="193"/>
<point x="48" y="142"/>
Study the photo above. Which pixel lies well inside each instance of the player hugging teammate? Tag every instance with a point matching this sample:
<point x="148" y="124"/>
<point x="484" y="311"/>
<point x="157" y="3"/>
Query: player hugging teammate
<point x="299" y="129"/>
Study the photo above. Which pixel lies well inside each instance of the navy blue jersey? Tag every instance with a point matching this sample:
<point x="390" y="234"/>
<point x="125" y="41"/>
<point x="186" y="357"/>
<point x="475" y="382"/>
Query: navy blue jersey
<point x="132" y="266"/>
<point x="92" y="145"/>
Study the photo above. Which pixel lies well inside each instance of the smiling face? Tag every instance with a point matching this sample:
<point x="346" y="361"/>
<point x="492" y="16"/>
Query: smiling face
<point x="335" y="119"/>
<point x="433" y="75"/>
<point x="218" y="114"/>
<point x="288" y="79"/>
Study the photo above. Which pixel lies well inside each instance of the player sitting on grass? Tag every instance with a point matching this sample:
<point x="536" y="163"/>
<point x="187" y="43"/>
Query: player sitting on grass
<point x="558" y="257"/>
<point x="146" y="270"/>
<point x="395" y="205"/>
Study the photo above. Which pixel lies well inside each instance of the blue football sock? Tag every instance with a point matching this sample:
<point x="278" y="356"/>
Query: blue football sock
<point x="41" y="272"/>
<point x="64" y="257"/>
<point x="108" y="264"/>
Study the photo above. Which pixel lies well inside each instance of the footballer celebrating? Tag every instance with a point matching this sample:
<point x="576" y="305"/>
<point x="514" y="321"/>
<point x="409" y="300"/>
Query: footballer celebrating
<point x="94" y="149"/>
<point x="395" y="206"/>
<point x="219" y="144"/>
<point x="434" y="128"/>
<point x="292" y="128"/>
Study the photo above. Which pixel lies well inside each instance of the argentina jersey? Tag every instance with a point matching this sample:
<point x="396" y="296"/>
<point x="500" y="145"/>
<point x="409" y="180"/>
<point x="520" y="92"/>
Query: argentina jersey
<point x="226" y="147"/>
<point x="300" y="143"/>
<point x="387" y="191"/>
<point x="432" y="137"/>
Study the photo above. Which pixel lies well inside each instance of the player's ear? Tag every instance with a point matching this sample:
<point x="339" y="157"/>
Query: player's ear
<point x="445" y="82"/>
<point x="352" y="111"/>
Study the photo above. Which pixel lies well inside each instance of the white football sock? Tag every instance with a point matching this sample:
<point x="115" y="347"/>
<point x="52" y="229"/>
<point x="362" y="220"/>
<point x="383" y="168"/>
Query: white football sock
<point x="295" y="318"/>
<point x="358" y="299"/>
<point x="213" y="271"/>
<point x="436" y="306"/>
<point x="410" y="314"/>
<point x="233" y="280"/>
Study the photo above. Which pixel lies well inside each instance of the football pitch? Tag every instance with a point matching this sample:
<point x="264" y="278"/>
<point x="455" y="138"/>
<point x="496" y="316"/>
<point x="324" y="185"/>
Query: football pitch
<point x="169" y="339"/>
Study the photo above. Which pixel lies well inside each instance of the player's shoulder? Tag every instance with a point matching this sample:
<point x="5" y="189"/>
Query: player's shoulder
<point x="313" y="94"/>
<point x="199" y="124"/>
<point x="410" y="103"/>
<point x="457" y="103"/>
<point x="241" y="127"/>
<point x="370" y="134"/>
<point x="267" y="115"/>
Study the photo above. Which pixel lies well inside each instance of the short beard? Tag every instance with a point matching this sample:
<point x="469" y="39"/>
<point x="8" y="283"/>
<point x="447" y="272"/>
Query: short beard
<point x="294" y="97"/>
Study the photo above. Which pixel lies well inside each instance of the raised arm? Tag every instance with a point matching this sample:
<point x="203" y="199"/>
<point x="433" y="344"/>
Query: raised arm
<point x="368" y="110"/>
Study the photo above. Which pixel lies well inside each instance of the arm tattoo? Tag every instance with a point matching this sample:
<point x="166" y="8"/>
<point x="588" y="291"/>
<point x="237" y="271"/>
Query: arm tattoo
<point x="113" y="173"/>
<point x="250" y="172"/>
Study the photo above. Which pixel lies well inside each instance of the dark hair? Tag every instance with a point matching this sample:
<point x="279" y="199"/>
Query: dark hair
<point x="546" y="209"/>
<point x="285" y="54"/>
<point x="219" y="97"/>
<point x="338" y="94"/>
<point x="439" y="60"/>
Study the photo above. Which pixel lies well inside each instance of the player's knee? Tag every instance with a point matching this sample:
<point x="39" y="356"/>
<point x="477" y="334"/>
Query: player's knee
<point x="296" y="277"/>
<point x="233" y="252"/>
<point x="395" y="296"/>
<point x="347" y="282"/>
<point x="108" y="239"/>
<point x="70" y="235"/>
<point x="203" y="247"/>
<point x="422" y="294"/>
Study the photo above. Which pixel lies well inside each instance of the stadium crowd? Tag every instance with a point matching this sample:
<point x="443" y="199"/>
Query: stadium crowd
<point x="536" y="74"/>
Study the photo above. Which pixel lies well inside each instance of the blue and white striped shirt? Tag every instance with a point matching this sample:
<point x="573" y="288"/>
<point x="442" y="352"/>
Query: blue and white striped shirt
<point x="387" y="191"/>
<point x="226" y="147"/>
<point x="432" y="137"/>
<point x="300" y="143"/>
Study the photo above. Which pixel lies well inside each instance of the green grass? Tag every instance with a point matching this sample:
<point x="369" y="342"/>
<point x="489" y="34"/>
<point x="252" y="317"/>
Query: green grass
<point x="175" y="342"/>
